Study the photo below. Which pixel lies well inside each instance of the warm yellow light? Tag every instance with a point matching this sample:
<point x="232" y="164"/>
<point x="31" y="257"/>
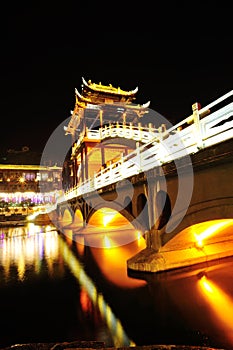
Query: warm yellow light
<point x="21" y="179"/>
<point x="221" y="304"/>
<point x="107" y="218"/>
<point x="210" y="230"/>
<point x="107" y="242"/>
<point x="32" y="216"/>
<point x="206" y="285"/>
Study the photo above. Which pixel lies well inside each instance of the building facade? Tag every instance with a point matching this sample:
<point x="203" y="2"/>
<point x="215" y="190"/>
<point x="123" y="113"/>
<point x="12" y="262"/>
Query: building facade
<point x="98" y="109"/>
<point x="34" y="184"/>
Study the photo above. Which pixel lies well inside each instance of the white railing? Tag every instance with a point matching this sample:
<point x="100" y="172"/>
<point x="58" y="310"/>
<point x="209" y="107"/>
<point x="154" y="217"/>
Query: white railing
<point x="183" y="139"/>
<point x="127" y="131"/>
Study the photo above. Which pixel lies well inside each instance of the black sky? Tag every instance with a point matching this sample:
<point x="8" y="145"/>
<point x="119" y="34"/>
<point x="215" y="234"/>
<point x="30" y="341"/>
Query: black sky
<point x="176" y="53"/>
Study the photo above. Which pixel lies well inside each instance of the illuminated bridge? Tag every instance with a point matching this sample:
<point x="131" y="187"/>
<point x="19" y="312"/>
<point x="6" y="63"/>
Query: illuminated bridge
<point x="175" y="186"/>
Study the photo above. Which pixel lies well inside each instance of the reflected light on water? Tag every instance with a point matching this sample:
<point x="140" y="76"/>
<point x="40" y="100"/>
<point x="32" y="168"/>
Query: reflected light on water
<point x="112" y="240"/>
<point x="69" y="236"/>
<point x="112" y="260"/>
<point x="25" y="248"/>
<point x="221" y="304"/>
<point x="118" y="334"/>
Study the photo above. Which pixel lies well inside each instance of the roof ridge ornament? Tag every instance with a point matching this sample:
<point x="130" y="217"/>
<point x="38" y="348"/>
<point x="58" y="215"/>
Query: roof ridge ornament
<point x="145" y="105"/>
<point x="82" y="98"/>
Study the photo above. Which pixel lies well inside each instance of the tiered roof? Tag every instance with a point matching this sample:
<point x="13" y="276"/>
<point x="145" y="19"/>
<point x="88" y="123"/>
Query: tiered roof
<point x="100" y="94"/>
<point x="114" y="102"/>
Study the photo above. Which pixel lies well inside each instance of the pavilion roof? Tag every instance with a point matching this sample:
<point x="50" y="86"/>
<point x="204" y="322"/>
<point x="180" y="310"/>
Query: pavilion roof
<point x="89" y="87"/>
<point x="114" y="102"/>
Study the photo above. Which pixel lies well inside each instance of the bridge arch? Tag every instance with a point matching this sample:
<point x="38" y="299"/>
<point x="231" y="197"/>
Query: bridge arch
<point x="66" y="217"/>
<point x="212" y="196"/>
<point x="201" y="234"/>
<point x="78" y="216"/>
<point x="214" y="209"/>
<point x="113" y="206"/>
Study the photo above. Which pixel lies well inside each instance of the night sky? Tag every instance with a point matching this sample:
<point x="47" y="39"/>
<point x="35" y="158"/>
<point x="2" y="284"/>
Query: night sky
<point x="177" y="54"/>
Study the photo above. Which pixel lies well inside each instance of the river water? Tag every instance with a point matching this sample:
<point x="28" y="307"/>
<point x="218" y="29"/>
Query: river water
<point x="54" y="288"/>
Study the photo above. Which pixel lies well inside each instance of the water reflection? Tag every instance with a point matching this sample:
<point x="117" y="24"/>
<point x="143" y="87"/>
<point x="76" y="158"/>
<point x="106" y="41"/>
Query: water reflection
<point x="24" y="247"/>
<point x="49" y="279"/>
<point x="110" y="259"/>
<point x="202" y="297"/>
<point x="221" y="304"/>
<point x="89" y="290"/>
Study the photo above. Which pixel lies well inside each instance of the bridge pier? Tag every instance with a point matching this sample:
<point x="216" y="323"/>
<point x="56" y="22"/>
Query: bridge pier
<point x="153" y="240"/>
<point x="150" y="259"/>
<point x="152" y="235"/>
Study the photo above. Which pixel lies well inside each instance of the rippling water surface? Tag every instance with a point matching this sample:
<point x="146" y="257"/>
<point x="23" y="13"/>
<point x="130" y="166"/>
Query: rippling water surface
<point x="54" y="288"/>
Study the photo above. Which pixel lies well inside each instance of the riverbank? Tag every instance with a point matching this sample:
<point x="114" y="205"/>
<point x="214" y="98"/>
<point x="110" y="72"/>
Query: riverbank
<point x="13" y="223"/>
<point x="88" y="345"/>
<point x="40" y="219"/>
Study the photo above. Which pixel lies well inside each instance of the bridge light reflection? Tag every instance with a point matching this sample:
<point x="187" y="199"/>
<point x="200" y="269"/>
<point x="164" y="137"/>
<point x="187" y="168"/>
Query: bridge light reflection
<point x="221" y="304"/>
<point x="112" y="262"/>
<point x="118" y="334"/>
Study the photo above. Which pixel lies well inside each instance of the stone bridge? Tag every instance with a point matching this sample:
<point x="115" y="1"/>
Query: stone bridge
<point x="167" y="193"/>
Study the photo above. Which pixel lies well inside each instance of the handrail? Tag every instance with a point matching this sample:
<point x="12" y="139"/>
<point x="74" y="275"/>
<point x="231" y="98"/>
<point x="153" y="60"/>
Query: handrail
<point x="128" y="131"/>
<point x="214" y="128"/>
<point x="214" y="103"/>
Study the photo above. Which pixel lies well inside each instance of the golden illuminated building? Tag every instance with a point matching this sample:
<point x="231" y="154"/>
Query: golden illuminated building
<point x="97" y="108"/>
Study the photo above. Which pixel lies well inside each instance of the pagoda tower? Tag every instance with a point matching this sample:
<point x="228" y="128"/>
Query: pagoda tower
<point x="96" y="107"/>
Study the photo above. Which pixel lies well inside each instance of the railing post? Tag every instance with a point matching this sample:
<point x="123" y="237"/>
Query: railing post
<point x="110" y="129"/>
<point x="101" y="132"/>
<point x="131" y="129"/>
<point x="160" y="130"/>
<point x="124" y="129"/>
<point x="118" y="131"/>
<point x="150" y="127"/>
<point x="105" y="131"/>
<point x="197" y="126"/>
<point x="163" y="131"/>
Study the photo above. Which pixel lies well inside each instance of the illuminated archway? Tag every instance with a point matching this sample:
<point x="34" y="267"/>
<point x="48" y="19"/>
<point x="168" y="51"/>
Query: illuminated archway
<point x="108" y="228"/>
<point x="201" y="235"/>
<point x="78" y="217"/>
<point x="66" y="217"/>
<point x="107" y="217"/>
